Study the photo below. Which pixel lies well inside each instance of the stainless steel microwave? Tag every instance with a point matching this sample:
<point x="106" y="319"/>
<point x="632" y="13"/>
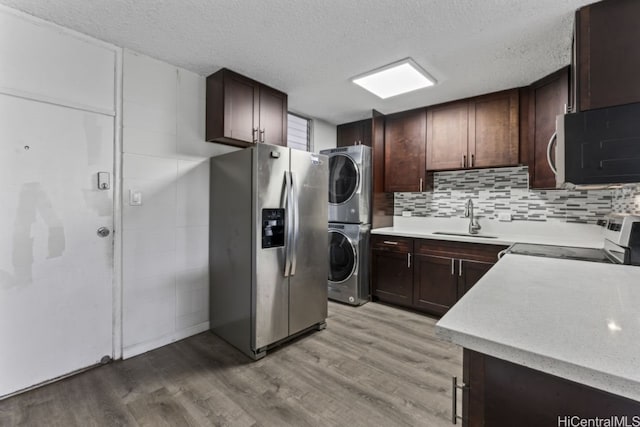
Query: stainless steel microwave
<point x="597" y="148"/>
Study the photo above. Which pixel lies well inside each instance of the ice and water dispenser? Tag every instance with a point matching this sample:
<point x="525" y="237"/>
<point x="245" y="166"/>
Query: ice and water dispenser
<point x="272" y="228"/>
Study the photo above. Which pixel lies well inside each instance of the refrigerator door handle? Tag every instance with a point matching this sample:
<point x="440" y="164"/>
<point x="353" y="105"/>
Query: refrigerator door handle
<point x="296" y="223"/>
<point x="286" y="204"/>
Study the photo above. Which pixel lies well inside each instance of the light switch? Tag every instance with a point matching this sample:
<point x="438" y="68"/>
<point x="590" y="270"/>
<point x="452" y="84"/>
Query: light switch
<point x="135" y="198"/>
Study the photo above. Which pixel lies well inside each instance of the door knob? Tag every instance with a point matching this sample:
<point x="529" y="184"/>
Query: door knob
<point x="103" y="232"/>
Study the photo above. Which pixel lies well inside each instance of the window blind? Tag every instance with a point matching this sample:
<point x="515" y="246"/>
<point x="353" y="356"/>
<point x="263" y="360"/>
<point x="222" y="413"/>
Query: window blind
<point x="298" y="132"/>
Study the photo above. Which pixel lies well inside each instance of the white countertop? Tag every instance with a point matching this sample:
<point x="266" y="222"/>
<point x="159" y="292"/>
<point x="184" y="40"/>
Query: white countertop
<point x="506" y="233"/>
<point x="574" y="319"/>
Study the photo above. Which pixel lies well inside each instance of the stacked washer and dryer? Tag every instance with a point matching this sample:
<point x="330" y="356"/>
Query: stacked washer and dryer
<point x="350" y="185"/>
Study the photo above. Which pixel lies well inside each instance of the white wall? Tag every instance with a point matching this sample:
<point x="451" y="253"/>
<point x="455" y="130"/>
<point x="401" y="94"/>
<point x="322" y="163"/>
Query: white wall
<point x="324" y="135"/>
<point x="46" y="62"/>
<point x="57" y="123"/>
<point x="165" y="241"/>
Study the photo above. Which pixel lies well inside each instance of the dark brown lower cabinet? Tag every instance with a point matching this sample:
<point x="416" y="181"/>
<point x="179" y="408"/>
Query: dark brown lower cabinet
<point x="472" y="272"/>
<point x="435" y="284"/>
<point x="427" y="275"/>
<point x="394" y="277"/>
<point x="445" y="271"/>
<point x="498" y="393"/>
<point x="392" y="269"/>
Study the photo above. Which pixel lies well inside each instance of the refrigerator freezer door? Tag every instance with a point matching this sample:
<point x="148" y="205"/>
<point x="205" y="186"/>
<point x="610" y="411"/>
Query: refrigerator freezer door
<point x="310" y="269"/>
<point x="271" y="290"/>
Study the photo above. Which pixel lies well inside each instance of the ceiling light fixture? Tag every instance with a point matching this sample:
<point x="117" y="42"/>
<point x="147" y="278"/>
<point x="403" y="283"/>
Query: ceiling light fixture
<point x="395" y="79"/>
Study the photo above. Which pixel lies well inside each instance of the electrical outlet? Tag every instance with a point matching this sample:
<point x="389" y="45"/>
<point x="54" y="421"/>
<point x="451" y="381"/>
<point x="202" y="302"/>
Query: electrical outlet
<point x="504" y="216"/>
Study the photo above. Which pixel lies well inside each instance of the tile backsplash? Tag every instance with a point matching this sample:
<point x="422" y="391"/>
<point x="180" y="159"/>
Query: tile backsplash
<point x="627" y="199"/>
<point x="506" y="190"/>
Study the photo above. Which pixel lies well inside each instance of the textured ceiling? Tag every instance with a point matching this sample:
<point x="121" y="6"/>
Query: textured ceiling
<point x="311" y="49"/>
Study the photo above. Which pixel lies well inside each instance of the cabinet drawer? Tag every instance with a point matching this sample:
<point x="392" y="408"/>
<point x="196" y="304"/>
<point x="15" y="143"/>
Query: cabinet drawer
<point x="392" y="244"/>
<point x="460" y="250"/>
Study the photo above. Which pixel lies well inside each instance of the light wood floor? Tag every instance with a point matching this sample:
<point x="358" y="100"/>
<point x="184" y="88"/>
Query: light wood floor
<point x="374" y="365"/>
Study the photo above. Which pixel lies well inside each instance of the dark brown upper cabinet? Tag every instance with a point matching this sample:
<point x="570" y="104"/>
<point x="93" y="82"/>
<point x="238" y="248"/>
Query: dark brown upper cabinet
<point x="548" y="97"/>
<point x="447" y="135"/>
<point x="273" y="116"/>
<point x="474" y="133"/>
<point x="607" y="36"/>
<point x="243" y="112"/>
<point x="404" y="151"/>
<point x="355" y="133"/>
<point x="494" y="130"/>
<point x="377" y="151"/>
<point x="381" y="202"/>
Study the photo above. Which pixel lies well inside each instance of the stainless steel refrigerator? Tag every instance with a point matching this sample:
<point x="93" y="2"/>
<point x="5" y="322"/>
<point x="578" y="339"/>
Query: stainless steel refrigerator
<point x="268" y="259"/>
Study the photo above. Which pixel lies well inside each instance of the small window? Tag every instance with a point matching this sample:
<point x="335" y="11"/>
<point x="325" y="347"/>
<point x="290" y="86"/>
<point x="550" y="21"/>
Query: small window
<point x="298" y="132"/>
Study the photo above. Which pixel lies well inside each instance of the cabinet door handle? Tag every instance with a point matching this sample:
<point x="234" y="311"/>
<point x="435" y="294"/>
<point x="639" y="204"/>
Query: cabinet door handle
<point x="460" y="267"/>
<point x="472" y="159"/>
<point x="408" y="260"/>
<point x="421" y="185"/>
<point x="254" y="133"/>
<point x="389" y="242"/>
<point x="464" y="160"/>
<point x="549" y="145"/>
<point x="453" y="266"/>
<point x="454" y="399"/>
<point x="262" y="137"/>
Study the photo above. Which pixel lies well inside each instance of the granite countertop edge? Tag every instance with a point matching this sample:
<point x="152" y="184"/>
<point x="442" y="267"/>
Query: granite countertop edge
<point x="602" y="355"/>
<point x="560" y="368"/>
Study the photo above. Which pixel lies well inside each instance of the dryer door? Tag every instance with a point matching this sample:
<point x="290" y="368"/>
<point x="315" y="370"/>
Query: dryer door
<point x="342" y="257"/>
<point x="343" y="179"/>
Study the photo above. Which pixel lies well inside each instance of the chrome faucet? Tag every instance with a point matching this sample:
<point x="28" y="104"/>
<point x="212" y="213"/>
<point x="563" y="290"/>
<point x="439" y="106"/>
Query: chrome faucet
<point x="468" y="213"/>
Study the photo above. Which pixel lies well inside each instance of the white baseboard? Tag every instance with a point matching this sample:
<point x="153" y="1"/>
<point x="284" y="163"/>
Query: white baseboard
<point x="144" y="347"/>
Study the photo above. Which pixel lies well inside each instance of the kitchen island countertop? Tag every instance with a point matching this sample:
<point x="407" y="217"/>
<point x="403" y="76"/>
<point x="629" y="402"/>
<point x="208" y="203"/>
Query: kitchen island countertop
<point x="577" y="320"/>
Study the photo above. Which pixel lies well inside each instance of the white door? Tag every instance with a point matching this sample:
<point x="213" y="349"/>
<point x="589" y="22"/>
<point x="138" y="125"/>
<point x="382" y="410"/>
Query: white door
<point x="56" y="293"/>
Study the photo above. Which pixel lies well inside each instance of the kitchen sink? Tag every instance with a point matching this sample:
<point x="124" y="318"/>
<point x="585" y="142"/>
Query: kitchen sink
<point x="453" y="233"/>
